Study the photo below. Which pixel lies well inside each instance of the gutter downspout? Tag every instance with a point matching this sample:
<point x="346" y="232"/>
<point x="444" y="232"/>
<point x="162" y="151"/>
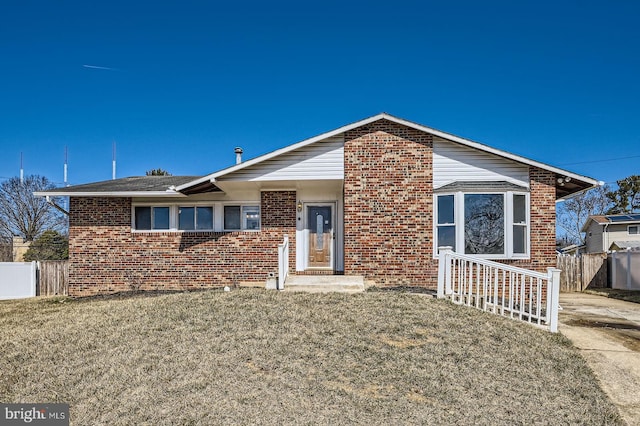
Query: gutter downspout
<point x="57" y="207"/>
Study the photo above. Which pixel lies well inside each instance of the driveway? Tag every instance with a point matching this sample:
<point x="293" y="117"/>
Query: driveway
<point x="607" y="333"/>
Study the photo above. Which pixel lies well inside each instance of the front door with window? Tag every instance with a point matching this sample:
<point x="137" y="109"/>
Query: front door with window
<point x="319" y="225"/>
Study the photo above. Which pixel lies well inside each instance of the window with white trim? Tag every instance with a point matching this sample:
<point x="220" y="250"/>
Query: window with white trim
<point x="485" y="224"/>
<point x="148" y="217"/>
<point x="239" y="217"/>
<point x="633" y="229"/>
<point x="446" y="228"/>
<point x="192" y="218"/>
<point x="195" y="217"/>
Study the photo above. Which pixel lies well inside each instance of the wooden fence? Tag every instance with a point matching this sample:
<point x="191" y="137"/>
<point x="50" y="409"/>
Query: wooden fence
<point x="53" y="278"/>
<point x="582" y="272"/>
<point x="578" y="274"/>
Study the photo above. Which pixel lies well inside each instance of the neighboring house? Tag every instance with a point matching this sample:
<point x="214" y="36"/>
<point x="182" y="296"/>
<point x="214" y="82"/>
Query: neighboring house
<point x="572" y="250"/>
<point x="612" y="232"/>
<point x="374" y="198"/>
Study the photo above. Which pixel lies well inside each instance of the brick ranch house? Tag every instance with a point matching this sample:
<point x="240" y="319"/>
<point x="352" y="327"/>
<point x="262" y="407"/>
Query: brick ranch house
<point x="374" y="198"/>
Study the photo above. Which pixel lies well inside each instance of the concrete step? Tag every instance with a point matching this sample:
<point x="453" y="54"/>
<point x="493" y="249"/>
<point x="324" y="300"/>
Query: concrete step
<point x="325" y="283"/>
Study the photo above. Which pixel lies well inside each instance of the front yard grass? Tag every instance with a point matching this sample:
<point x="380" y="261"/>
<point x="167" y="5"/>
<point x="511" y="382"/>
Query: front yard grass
<point x="257" y="357"/>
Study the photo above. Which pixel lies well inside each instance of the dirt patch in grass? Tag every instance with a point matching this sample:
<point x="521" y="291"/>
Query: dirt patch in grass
<point x="257" y="357"/>
<point x="627" y="295"/>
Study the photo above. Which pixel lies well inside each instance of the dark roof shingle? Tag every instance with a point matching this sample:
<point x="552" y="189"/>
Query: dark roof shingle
<point x="130" y="184"/>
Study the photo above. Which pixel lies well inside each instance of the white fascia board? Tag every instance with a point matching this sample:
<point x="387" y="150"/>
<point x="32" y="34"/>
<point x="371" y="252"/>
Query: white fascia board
<point x="195" y="182"/>
<point x="491" y="150"/>
<point x="171" y="194"/>
<point x="212" y="177"/>
<point x="626" y="222"/>
<point x="476" y="145"/>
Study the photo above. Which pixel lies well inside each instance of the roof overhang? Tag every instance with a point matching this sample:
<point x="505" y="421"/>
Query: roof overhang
<point x="125" y="194"/>
<point x="568" y="184"/>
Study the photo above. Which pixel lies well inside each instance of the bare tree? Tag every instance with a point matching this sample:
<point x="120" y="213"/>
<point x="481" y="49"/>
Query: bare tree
<point x="23" y="214"/>
<point x="573" y="213"/>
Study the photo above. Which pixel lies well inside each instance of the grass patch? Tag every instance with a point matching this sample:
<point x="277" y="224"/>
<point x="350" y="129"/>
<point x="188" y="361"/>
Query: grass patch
<point x="627" y="295"/>
<point x="257" y="357"/>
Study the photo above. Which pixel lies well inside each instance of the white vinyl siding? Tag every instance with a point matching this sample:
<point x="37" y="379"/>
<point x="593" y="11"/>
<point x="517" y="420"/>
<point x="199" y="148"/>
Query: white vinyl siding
<point x="454" y="162"/>
<point x="319" y="161"/>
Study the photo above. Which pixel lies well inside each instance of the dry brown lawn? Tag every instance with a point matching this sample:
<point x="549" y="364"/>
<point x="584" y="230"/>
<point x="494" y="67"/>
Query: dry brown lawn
<point x="626" y="295"/>
<point x="257" y="357"/>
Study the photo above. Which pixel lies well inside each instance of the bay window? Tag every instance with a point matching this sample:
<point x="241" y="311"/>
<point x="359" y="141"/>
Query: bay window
<point x="485" y="224"/>
<point x="446" y="221"/>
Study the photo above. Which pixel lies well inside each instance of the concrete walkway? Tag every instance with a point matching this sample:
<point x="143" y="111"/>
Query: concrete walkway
<point x="607" y="333"/>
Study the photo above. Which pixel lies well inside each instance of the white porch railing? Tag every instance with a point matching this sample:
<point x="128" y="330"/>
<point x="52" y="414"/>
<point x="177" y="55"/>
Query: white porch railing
<point x="283" y="262"/>
<point x="501" y="289"/>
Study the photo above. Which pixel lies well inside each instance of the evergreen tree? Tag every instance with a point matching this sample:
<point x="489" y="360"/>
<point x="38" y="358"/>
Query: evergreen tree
<point x="158" y="172"/>
<point x="626" y="199"/>
<point x="51" y="245"/>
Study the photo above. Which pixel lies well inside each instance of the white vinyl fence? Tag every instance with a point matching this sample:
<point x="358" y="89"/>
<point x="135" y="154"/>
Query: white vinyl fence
<point x="500" y="289"/>
<point x="625" y="270"/>
<point x="18" y="280"/>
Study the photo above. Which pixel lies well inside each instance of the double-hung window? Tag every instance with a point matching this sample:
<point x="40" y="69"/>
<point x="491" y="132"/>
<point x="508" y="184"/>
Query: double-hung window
<point x="446" y="228"/>
<point x="486" y="224"/>
<point x="241" y="218"/>
<point x="633" y="229"/>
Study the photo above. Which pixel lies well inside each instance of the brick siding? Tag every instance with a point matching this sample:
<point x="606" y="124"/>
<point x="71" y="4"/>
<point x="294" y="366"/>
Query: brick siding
<point x="106" y="256"/>
<point x="388" y="228"/>
<point x="388" y="209"/>
<point x="388" y="192"/>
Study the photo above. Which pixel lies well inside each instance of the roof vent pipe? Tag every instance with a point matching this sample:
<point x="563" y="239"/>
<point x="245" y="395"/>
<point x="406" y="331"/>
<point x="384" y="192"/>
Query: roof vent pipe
<point x="238" y="152"/>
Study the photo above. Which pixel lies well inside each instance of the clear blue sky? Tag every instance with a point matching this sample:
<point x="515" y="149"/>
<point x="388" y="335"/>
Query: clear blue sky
<point x="556" y="81"/>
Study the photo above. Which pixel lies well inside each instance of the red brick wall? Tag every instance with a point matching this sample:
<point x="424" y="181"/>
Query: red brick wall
<point x="106" y="256"/>
<point x="389" y="208"/>
<point x="543" y="221"/>
<point x="388" y="191"/>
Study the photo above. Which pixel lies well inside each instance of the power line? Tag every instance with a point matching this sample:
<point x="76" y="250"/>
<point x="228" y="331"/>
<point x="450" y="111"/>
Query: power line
<point x="601" y="161"/>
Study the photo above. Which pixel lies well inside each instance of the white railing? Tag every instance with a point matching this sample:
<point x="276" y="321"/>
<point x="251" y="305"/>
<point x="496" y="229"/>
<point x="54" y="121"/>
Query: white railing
<point x="283" y="262"/>
<point x="501" y="289"/>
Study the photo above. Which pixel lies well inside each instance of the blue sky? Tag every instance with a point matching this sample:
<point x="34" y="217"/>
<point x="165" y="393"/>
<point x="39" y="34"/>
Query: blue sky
<point x="556" y="81"/>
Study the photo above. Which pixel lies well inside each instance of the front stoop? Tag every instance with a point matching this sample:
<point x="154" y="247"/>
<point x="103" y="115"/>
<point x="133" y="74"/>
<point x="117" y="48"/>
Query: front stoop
<point x="325" y="283"/>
